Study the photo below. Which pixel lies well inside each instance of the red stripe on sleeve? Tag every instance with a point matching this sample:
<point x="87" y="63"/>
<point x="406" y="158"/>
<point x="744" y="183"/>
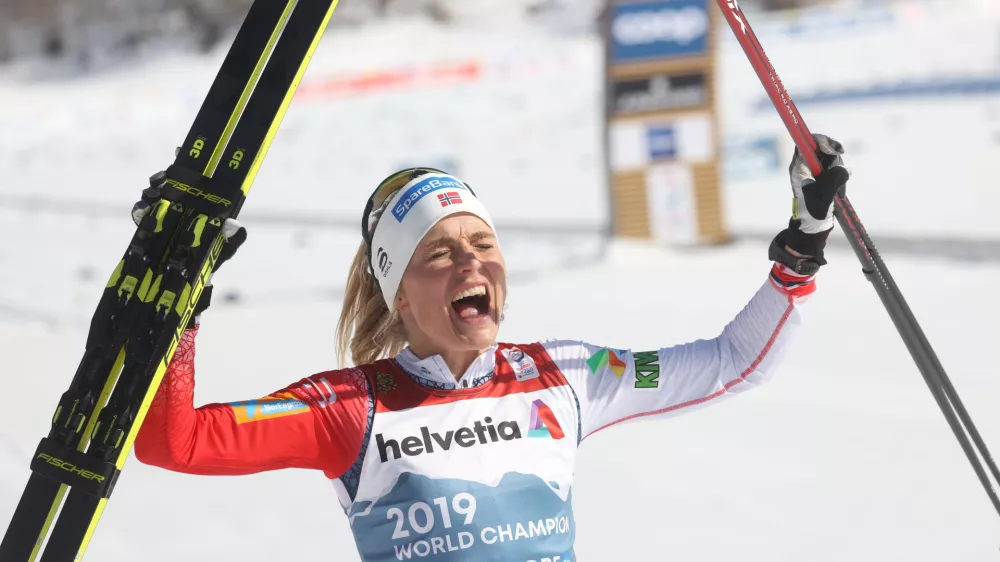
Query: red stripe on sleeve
<point x="742" y="378"/>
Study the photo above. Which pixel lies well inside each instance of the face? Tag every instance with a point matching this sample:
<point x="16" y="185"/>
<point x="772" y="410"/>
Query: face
<point x="452" y="293"/>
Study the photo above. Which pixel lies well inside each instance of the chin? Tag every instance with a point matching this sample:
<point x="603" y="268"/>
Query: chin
<point x="479" y="337"/>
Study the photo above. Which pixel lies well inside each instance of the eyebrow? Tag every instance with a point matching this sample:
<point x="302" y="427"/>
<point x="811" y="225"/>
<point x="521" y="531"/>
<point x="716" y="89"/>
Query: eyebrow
<point x="448" y="240"/>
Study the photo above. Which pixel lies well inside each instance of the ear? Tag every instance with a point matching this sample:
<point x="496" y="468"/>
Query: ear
<point x="402" y="303"/>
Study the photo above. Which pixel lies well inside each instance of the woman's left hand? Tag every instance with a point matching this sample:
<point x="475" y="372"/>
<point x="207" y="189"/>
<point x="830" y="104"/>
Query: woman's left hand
<point x="812" y="211"/>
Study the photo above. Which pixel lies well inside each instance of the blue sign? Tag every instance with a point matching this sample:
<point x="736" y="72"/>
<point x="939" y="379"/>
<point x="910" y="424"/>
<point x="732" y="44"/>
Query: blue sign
<point x="749" y="158"/>
<point x="662" y="142"/>
<point x="659" y="30"/>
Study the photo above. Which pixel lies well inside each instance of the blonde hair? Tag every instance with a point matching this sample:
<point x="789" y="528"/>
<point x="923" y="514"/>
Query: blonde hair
<point x="366" y="327"/>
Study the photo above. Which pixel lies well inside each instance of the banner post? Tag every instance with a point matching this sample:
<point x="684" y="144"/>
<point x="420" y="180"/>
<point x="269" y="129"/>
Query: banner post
<point x="662" y="130"/>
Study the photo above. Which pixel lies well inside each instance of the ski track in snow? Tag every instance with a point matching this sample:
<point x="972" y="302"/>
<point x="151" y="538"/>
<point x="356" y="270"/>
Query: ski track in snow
<point x="844" y="456"/>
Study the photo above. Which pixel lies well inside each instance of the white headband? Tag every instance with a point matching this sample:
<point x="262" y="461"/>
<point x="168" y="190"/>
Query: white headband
<point x="407" y="216"/>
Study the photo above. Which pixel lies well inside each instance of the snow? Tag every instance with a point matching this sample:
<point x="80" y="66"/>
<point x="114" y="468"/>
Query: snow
<point x="844" y="456"/>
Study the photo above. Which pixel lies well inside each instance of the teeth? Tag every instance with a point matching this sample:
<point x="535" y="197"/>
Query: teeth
<point x="471" y="292"/>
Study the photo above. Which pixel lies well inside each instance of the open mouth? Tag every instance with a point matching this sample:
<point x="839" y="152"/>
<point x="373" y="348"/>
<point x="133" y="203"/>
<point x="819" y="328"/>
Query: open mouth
<point x="472" y="303"/>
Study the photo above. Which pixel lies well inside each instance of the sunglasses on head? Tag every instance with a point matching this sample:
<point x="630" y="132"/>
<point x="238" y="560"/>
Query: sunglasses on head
<point x="386" y="188"/>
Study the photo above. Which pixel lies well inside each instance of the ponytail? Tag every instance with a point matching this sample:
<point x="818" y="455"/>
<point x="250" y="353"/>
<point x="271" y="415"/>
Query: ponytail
<point x="366" y="327"/>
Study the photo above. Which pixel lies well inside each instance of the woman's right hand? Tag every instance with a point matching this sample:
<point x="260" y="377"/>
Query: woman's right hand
<point x="150" y="195"/>
<point x="234" y="232"/>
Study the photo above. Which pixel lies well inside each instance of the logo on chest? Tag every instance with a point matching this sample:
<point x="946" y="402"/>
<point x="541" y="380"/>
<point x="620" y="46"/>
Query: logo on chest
<point x="542" y="423"/>
<point x="522" y="363"/>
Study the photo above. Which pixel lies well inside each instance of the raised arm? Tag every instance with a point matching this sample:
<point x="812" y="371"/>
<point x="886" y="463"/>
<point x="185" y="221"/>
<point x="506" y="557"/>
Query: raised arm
<point x="615" y="386"/>
<point x="317" y="423"/>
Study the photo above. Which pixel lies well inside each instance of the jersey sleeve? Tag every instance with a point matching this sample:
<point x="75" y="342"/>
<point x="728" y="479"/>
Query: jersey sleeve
<point x="316" y="423"/>
<point x="614" y="386"/>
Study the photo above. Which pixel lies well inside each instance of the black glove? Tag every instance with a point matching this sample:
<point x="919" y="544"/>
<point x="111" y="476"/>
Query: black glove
<point x="812" y="208"/>
<point x="232" y="230"/>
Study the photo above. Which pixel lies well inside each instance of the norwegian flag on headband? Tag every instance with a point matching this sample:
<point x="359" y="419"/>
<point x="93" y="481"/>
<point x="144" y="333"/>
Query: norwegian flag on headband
<point x="449" y="198"/>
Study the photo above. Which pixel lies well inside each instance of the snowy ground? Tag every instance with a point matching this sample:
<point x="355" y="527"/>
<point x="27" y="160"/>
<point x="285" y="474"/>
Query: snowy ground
<point x="843" y="457"/>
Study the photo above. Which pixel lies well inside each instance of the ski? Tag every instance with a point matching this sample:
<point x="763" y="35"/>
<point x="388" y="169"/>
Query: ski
<point x="189" y="266"/>
<point x="173" y="251"/>
<point x="103" y="359"/>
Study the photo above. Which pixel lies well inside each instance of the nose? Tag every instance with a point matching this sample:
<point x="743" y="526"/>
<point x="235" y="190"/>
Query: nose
<point x="466" y="260"/>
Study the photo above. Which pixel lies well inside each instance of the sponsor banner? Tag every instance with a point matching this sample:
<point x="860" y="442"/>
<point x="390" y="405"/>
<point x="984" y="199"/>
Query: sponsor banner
<point x="636" y="144"/>
<point x="520" y="517"/>
<point x="612" y="359"/>
<point x="541" y="423"/>
<point x="750" y="158"/>
<point x="662" y="142"/>
<point x="372" y="81"/>
<point x="673" y="215"/>
<point x="321" y="86"/>
<point x="647" y="369"/>
<point x="659" y="92"/>
<point x="281" y="405"/>
<point x="523" y="365"/>
<point x="659" y="30"/>
<point x="417" y="191"/>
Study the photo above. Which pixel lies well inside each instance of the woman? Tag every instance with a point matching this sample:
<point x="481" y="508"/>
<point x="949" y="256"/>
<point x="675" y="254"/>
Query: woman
<point x="441" y="443"/>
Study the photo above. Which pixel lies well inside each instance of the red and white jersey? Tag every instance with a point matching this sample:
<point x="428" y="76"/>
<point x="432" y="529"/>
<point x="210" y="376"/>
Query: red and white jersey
<point x="479" y="467"/>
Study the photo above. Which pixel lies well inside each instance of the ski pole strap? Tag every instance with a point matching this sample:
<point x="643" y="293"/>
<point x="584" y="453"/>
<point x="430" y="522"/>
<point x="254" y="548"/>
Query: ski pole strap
<point x="66" y="465"/>
<point x="776" y="252"/>
<point x="201" y="193"/>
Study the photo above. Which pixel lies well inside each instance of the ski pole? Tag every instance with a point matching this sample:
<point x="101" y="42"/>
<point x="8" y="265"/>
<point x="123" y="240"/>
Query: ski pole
<point x="872" y="265"/>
